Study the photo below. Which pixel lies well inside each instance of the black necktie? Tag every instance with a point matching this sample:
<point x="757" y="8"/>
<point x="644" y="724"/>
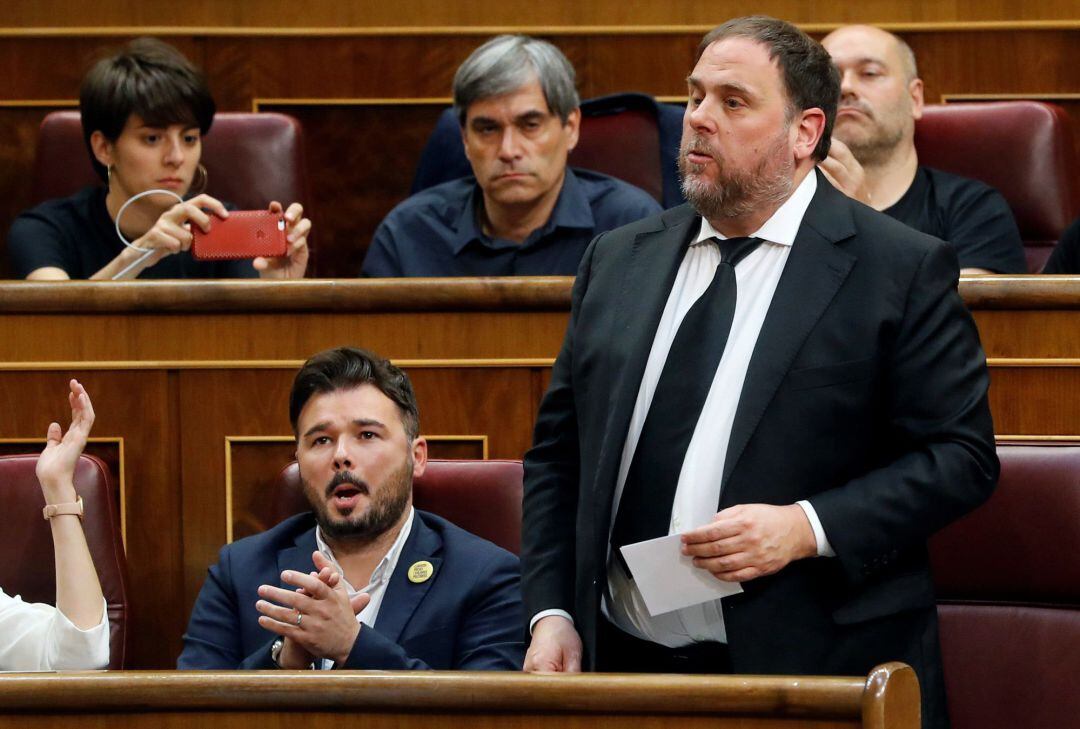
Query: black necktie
<point x="645" y="507"/>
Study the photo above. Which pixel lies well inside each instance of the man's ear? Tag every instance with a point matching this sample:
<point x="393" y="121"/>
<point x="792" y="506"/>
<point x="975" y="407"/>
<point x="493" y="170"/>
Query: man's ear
<point x="419" y="454"/>
<point x="573" y="127"/>
<point x="915" y="89"/>
<point x="809" y="127"/>
<point x="102" y="148"/>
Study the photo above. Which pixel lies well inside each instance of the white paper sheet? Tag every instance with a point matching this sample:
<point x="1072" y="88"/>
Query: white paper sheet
<point x="668" y="580"/>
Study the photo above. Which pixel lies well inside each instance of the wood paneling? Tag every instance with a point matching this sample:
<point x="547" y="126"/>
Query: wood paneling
<point x="361" y="156"/>
<point x="886" y="699"/>
<point x="283" y="14"/>
<point x="175" y="379"/>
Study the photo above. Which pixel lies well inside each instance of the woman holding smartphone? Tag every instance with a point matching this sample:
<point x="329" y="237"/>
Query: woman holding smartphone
<point x="144" y="112"/>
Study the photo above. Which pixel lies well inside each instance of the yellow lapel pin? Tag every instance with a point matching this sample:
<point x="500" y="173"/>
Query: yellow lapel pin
<point x="421" y="572"/>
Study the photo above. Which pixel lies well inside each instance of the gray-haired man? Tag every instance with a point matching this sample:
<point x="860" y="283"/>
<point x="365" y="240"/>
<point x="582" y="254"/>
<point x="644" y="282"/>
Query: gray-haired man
<point x="524" y="212"/>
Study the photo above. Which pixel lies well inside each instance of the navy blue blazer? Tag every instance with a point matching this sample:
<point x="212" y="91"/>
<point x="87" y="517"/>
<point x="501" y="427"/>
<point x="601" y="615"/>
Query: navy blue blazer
<point x="467" y="616"/>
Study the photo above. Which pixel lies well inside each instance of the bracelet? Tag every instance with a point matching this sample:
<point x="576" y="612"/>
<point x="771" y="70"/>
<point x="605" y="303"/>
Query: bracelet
<point x="75" y="508"/>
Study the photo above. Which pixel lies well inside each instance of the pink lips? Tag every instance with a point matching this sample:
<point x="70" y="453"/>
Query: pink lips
<point x="171" y="182"/>
<point x="346" y="497"/>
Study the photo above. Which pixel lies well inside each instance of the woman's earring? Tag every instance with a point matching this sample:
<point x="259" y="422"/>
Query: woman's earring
<point x="108" y="176"/>
<point x="202" y="179"/>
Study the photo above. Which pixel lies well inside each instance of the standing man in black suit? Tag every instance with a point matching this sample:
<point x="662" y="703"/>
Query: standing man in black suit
<point x="782" y="375"/>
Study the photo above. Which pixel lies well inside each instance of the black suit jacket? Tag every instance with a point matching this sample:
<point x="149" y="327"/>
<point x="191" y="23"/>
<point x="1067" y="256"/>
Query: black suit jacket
<point x="866" y="393"/>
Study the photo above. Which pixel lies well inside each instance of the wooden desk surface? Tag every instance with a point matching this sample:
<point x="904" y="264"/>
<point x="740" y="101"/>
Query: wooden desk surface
<point x="886" y="699"/>
<point x="190" y="381"/>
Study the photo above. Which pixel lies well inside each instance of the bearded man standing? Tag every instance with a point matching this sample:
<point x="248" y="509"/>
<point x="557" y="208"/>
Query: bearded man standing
<point x="779" y="374"/>
<point x="364" y="580"/>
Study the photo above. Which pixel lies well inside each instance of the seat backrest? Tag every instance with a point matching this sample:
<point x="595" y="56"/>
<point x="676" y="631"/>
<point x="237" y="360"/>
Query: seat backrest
<point x="1023" y="149"/>
<point x="1008" y="583"/>
<point x="251" y="159"/>
<point x="629" y="136"/>
<point x="482" y="497"/>
<point x="27" y="565"/>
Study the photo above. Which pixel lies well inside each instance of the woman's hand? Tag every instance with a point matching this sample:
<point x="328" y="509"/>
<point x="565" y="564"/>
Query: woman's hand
<point x="294" y="264"/>
<point x="172" y="231"/>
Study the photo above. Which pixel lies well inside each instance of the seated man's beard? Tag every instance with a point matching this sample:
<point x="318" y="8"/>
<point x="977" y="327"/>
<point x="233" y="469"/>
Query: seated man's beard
<point x="735" y="194"/>
<point x="384" y="510"/>
<point x="876" y="147"/>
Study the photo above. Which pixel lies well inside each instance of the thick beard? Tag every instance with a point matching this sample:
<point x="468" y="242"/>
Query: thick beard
<point x="736" y="194"/>
<point x="383" y="512"/>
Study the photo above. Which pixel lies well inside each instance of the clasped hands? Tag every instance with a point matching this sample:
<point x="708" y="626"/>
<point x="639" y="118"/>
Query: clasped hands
<point x="328" y="628"/>
<point x="740" y="543"/>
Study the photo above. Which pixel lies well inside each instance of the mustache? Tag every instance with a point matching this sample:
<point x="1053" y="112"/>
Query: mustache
<point x="695" y="144"/>
<point x="857" y="106"/>
<point x="345" y="477"/>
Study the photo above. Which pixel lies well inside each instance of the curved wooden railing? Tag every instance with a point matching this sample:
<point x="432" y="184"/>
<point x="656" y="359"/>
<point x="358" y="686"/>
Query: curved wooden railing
<point x="886" y="699"/>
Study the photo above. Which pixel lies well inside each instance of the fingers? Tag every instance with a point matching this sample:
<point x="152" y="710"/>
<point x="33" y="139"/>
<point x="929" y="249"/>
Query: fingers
<point x="359" y="602"/>
<point x="299" y="232"/>
<point x="321" y="561"/>
<point x="214" y="205"/>
<point x="82" y="411"/>
<point x="711" y="532"/>
<point x="292" y="599"/>
<point x="53" y="434"/>
<point x="313" y="586"/>
<point x="276" y="612"/>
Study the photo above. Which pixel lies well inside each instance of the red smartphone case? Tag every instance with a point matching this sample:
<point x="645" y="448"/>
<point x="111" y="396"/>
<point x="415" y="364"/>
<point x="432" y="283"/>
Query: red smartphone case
<point x="244" y="234"/>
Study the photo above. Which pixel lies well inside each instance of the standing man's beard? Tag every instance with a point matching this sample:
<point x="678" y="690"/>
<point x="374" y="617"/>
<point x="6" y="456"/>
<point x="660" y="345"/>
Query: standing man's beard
<point x="384" y="509"/>
<point x="735" y="194"/>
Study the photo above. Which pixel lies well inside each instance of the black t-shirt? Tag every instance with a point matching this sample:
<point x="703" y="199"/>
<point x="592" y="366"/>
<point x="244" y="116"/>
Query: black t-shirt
<point x="77" y="235"/>
<point x="1066" y="255"/>
<point x="966" y="213"/>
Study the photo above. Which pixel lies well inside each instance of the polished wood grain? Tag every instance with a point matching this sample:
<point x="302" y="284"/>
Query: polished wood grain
<point x="275" y="14"/>
<point x="887" y="699"/>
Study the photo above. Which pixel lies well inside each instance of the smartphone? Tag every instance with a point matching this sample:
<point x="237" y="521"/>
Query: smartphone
<point x="244" y="234"/>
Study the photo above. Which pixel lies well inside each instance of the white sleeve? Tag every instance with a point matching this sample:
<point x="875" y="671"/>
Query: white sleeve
<point x="38" y="637"/>
<point x="824" y="549"/>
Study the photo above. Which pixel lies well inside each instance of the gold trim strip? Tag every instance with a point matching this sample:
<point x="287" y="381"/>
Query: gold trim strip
<point x="1033" y="96"/>
<point x="266" y="364"/>
<point x="1049" y="439"/>
<point x="37" y="103"/>
<point x="122" y="476"/>
<point x="486" y="30"/>
<point x="355" y="101"/>
<point x="1032" y="362"/>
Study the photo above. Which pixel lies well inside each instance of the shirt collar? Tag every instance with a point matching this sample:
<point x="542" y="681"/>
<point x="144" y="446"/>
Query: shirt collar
<point x="387" y="564"/>
<point x="572" y="210"/>
<point x="784" y="224"/>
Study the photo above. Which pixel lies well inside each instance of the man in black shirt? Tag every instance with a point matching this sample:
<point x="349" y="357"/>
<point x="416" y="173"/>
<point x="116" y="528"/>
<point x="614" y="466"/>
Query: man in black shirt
<point x="1066" y="255"/>
<point x="873" y="157"/>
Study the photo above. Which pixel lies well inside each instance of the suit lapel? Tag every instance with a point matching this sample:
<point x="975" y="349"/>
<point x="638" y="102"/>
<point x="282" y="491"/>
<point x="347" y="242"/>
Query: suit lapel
<point x="403" y="596"/>
<point x="815" y="270"/>
<point x="654" y="263"/>
<point x="297" y="557"/>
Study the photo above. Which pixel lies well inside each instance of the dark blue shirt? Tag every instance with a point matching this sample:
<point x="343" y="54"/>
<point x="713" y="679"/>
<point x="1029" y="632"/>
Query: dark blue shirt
<point x="436" y="232"/>
<point x="76" y="235"/>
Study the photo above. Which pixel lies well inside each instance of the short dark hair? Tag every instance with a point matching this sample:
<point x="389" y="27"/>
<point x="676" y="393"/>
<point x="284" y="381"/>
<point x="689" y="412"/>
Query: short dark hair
<point x="810" y="76"/>
<point x="347" y="367"/>
<point x="147" y="77"/>
<point x="506" y="63"/>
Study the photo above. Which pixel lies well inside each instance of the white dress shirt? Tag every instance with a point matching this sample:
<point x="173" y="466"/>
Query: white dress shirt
<point x="380" y="576"/>
<point x="38" y="637"/>
<point x="698" y="491"/>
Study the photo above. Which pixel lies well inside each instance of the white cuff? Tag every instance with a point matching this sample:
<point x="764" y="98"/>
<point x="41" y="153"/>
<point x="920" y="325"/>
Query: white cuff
<point x="72" y="648"/>
<point x="824" y="549"/>
<point x="548" y="613"/>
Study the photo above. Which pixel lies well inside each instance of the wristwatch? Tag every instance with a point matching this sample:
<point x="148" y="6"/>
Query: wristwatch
<point x="275" y="653"/>
<point x="275" y="650"/>
<point x="74" y="508"/>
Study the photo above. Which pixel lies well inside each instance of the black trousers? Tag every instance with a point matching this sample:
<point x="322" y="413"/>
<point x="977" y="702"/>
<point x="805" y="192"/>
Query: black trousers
<point x="620" y="652"/>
